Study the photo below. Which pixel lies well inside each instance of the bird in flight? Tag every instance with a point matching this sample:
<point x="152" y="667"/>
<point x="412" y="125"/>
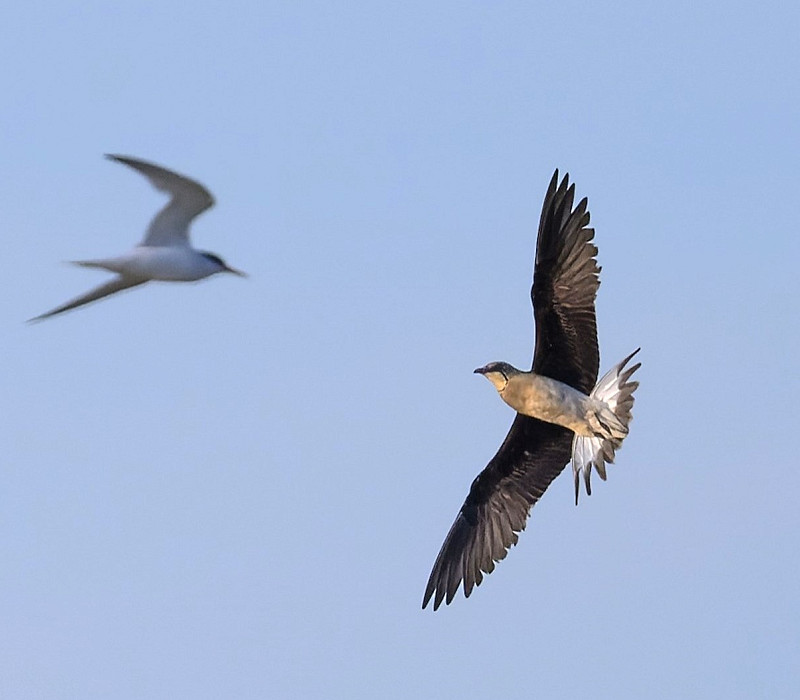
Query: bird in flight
<point x="563" y="413"/>
<point x="165" y="253"/>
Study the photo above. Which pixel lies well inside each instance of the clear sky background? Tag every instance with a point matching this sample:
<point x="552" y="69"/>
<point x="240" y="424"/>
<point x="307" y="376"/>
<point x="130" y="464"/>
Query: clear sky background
<point x="237" y="488"/>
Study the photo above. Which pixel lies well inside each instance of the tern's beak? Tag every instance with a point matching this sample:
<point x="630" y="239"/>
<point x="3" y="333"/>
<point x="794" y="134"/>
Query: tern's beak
<point x="480" y="370"/>
<point x="234" y="271"/>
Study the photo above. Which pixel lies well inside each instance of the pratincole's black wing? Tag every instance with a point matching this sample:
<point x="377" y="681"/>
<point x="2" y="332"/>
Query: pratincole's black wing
<point x="497" y="507"/>
<point x="534" y="453"/>
<point x="565" y="282"/>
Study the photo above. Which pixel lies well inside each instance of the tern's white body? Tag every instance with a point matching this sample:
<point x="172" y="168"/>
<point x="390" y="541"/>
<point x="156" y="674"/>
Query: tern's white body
<point x="173" y="264"/>
<point x="165" y="253"/>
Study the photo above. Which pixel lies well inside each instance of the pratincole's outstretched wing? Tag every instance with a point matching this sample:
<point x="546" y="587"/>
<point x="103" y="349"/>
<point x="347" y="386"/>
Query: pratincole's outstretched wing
<point x="532" y="455"/>
<point x="565" y="282"/>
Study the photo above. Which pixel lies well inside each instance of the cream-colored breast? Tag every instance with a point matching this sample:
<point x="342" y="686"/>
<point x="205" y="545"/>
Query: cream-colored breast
<point x="547" y="399"/>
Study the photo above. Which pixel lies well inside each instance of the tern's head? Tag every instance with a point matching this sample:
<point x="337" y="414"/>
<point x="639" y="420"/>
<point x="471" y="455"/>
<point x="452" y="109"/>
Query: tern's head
<point x="221" y="265"/>
<point x="498" y="373"/>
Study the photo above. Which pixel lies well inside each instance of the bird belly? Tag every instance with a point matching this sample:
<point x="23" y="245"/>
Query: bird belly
<point x="169" y="264"/>
<point x="549" y="400"/>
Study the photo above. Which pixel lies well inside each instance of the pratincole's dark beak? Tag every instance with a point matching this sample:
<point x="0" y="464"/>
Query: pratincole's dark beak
<point x="480" y="370"/>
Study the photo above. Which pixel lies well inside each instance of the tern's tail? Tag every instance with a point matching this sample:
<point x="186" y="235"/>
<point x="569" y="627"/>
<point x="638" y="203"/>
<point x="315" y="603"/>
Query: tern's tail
<point x="109" y="264"/>
<point x="615" y="391"/>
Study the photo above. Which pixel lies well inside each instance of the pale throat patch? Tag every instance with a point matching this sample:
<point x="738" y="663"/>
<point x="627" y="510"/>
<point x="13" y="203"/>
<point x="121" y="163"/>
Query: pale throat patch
<point x="498" y="379"/>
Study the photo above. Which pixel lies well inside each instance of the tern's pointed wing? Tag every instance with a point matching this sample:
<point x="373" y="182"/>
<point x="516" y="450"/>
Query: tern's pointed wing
<point x="533" y="453"/>
<point x="115" y="285"/>
<point x="170" y="227"/>
<point x="499" y="501"/>
<point x="565" y="282"/>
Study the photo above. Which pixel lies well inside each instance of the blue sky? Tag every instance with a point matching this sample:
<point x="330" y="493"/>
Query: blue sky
<point x="237" y="488"/>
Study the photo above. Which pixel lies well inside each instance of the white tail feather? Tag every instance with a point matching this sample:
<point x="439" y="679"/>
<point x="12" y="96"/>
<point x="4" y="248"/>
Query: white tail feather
<point x="616" y="391"/>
